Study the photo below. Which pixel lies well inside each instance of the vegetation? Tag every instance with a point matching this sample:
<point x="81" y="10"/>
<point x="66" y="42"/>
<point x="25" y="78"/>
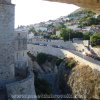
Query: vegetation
<point x="32" y="29"/>
<point x="98" y="46"/>
<point x="42" y="87"/>
<point x="85" y="82"/>
<point x="58" y="62"/>
<point x="42" y="58"/>
<point x="86" y="36"/>
<point x="67" y="34"/>
<point x="54" y="37"/>
<point x="95" y="39"/>
<point x="31" y="56"/>
<point x="84" y="12"/>
<point x="70" y="63"/>
<point x="88" y="21"/>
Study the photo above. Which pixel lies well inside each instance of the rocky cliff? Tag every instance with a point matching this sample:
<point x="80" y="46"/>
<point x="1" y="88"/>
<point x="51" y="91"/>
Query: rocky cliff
<point x="85" y="82"/>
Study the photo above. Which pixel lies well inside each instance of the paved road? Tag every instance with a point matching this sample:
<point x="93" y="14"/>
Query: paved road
<point x="85" y="57"/>
<point x="76" y="53"/>
<point x="79" y="54"/>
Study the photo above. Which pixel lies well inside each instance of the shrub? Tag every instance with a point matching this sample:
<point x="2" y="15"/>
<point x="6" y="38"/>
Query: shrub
<point x="42" y="87"/>
<point x="41" y="58"/>
<point x="70" y="63"/>
<point x="95" y="39"/>
<point x="58" y="61"/>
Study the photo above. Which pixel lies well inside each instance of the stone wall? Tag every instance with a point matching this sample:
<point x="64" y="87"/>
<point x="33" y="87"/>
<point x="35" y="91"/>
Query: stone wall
<point x="23" y="90"/>
<point x="66" y="44"/>
<point x="97" y="51"/>
<point x="61" y="53"/>
<point x="48" y="50"/>
<point x="6" y="42"/>
<point x="21" y="49"/>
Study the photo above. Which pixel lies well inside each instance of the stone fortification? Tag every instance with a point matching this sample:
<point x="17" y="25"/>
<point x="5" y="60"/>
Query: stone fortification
<point x="21" y="49"/>
<point x="6" y="40"/>
<point x="5" y="1"/>
<point x="22" y="90"/>
<point x="9" y="82"/>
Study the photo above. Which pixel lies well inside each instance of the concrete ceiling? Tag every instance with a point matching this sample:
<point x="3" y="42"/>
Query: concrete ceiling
<point x="93" y="5"/>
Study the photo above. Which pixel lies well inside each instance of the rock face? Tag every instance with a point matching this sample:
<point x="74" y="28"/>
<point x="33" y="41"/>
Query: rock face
<point x="85" y="82"/>
<point x="5" y="1"/>
<point x="91" y="4"/>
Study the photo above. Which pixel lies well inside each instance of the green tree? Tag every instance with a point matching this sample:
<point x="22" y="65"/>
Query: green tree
<point x="95" y="39"/>
<point x="66" y="34"/>
<point x="42" y="87"/>
<point x="86" y="36"/>
<point x="32" y="29"/>
<point x="77" y="34"/>
<point x="41" y="58"/>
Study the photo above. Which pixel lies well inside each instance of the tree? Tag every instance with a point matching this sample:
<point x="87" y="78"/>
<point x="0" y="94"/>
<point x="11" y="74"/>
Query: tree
<point x="86" y="36"/>
<point x="41" y="58"/>
<point x="54" y="37"/>
<point x="95" y="39"/>
<point x="78" y="34"/>
<point x="66" y="34"/>
<point x="32" y="29"/>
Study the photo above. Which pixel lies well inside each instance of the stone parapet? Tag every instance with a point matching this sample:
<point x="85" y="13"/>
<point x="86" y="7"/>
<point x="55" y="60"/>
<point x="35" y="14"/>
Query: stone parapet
<point x="22" y="90"/>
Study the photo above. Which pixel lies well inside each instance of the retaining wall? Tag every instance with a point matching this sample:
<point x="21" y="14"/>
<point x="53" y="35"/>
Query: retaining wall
<point x="61" y="53"/>
<point x="22" y="90"/>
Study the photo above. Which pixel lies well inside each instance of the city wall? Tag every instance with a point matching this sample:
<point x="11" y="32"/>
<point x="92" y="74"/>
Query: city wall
<point x="24" y="88"/>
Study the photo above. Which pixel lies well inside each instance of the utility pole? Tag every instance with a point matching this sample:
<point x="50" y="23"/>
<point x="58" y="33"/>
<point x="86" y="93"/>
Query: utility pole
<point x="69" y="36"/>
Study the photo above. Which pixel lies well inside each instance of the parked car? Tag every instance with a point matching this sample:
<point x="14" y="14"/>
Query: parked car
<point x="55" y="46"/>
<point x="36" y="43"/>
<point x="61" y="47"/>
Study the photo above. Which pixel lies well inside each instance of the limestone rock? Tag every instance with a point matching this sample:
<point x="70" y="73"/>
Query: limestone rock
<point x="85" y="82"/>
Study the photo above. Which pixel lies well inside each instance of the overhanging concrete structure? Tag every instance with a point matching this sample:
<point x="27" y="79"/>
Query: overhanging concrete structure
<point x="93" y="5"/>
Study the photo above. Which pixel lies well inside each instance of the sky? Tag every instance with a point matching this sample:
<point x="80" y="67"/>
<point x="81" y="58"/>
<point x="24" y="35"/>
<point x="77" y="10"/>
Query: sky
<point x="34" y="11"/>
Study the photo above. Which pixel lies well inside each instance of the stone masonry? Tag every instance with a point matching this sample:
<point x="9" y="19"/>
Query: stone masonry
<point x="10" y="84"/>
<point x="6" y="41"/>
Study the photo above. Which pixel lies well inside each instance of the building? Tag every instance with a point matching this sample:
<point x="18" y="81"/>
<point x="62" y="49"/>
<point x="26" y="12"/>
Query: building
<point x="21" y="49"/>
<point x="6" y="42"/>
<point x="58" y="33"/>
<point x="13" y="49"/>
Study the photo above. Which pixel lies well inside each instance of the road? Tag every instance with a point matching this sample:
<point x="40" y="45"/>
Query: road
<point x="85" y="57"/>
<point x="79" y="54"/>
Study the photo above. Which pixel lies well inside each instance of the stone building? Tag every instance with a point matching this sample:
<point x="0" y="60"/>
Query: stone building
<point x="13" y="58"/>
<point x="6" y="42"/>
<point x="21" y="48"/>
